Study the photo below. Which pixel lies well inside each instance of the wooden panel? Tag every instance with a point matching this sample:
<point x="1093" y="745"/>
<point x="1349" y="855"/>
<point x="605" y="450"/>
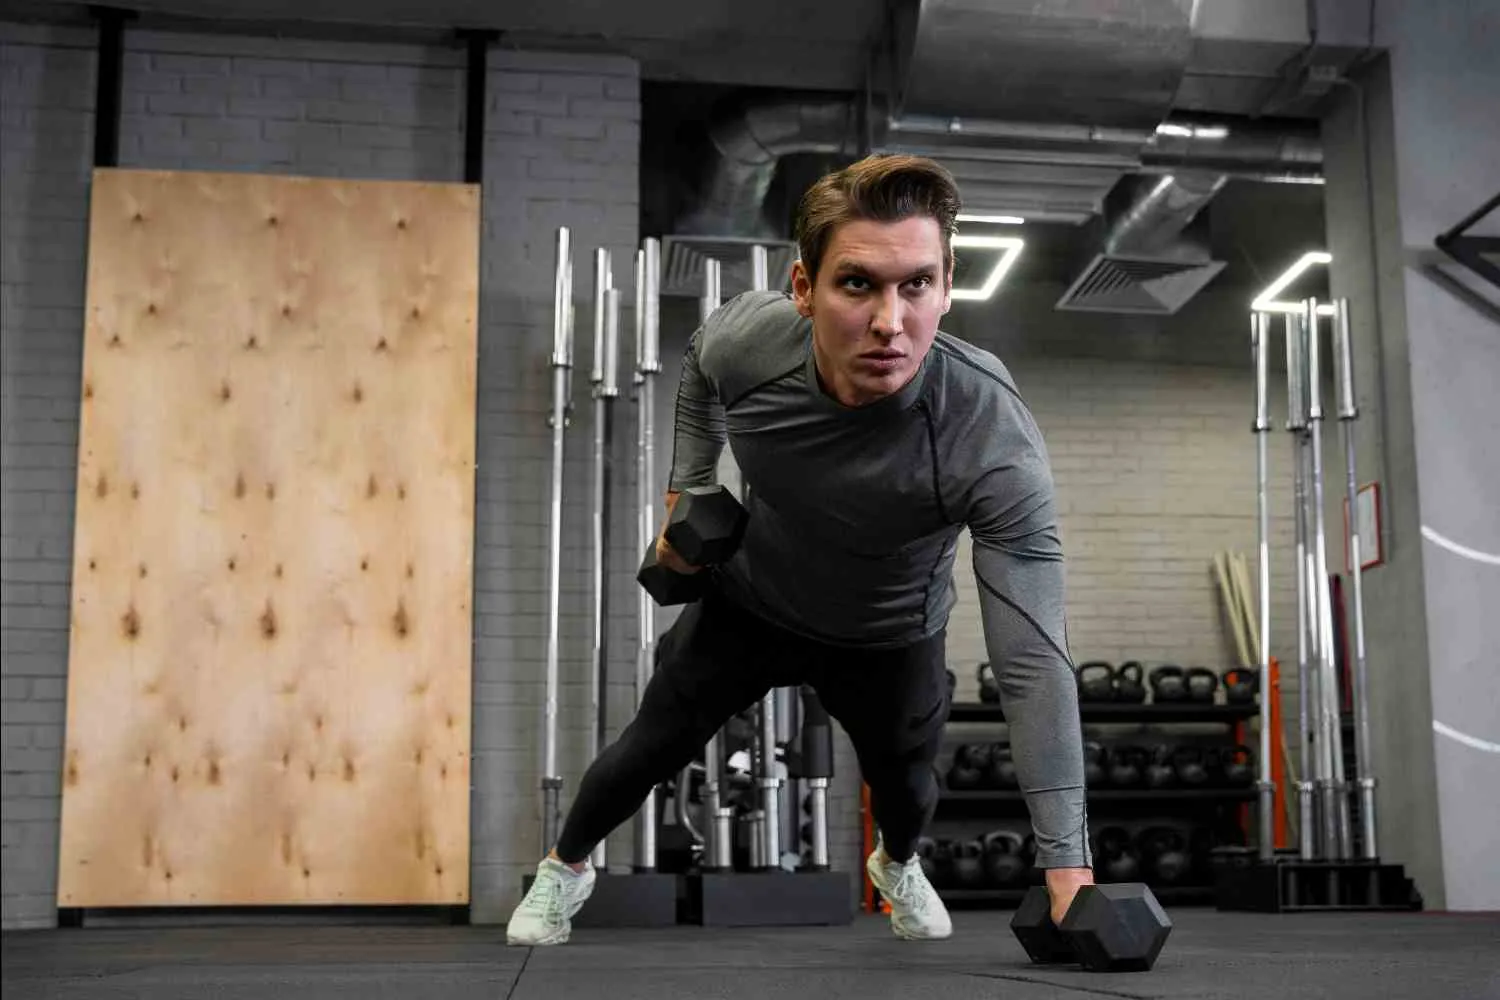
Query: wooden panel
<point x="269" y="674"/>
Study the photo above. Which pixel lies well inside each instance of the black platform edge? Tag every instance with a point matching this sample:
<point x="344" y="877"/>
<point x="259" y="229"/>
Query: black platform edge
<point x="1009" y="898"/>
<point x="769" y="899"/>
<point x="1107" y="711"/>
<point x="1287" y="884"/>
<point x="632" y="899"/>
<point x="951" y="803"/>
<point x="248" y="916"/>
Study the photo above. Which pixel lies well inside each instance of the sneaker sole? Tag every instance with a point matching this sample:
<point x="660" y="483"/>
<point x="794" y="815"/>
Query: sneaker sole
<point x="900" y="932"/>
<point x="906" y="935"/>
<point x="544" y="942"/>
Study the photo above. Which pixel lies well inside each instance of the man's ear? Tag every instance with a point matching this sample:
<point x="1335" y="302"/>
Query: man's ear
<point x="802" y="289"/>
<point x="948" y="284"/>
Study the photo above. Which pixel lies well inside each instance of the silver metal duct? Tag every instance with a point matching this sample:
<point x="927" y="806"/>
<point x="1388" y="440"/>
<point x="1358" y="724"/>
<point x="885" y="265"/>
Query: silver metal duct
<point x="1156" y="211"/>
<point x="1149" y="259"/>
<point x="749" y="143"/>
<point x="1045" y="171"/>
<point x="1284" y="151"/>
<point x="1090" y="62"/>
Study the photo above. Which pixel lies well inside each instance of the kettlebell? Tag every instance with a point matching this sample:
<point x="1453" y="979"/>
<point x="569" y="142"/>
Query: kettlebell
<point x="1118" y="860"/>
<point x="1125" y="767"/>
<point x="1130" y="684"/>
<point x="1094" y="773"/>
<point x="1202" y="683"/>
<point x="1167" y="684"/>
<point x="967" y="772"/>
<point x="1002" y="768"/>
<point x="1165" y="853"/>
<point x="1096" y="681"/>
<point x="989" y="690"/>
<point x="1189" y="764"/>
<point x="1159" y="771"/>
<point x="1238" y="766"/>
<point x="968" y="864"/>
<point x="1003" y="864"/>
<point x="1240" y="686"/>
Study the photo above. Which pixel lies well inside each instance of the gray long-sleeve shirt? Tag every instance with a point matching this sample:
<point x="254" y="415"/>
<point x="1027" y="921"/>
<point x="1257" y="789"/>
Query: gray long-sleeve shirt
<point x="855" y="515"/>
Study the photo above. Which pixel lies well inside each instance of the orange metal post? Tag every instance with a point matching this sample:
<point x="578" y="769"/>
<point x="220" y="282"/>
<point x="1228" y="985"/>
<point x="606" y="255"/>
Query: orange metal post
<point x="1278" y="742"/>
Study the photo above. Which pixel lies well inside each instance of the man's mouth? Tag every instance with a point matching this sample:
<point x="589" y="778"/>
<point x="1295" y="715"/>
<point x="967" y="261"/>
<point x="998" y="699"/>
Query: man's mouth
<point x="882" y="355"/>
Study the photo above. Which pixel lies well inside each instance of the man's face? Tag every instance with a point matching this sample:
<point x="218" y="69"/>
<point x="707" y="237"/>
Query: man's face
<point x="881" y="289"/>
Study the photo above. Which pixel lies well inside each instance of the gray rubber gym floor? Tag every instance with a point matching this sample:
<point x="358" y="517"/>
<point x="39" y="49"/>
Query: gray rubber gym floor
<point x="1210" y="955"/>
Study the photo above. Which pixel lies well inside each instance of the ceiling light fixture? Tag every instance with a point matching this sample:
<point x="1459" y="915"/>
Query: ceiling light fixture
<point x="1002" y="220"/>
<point x="1193" y="131"/>
<point x="1266" y="300"/>
<point x="1010" y="247"/>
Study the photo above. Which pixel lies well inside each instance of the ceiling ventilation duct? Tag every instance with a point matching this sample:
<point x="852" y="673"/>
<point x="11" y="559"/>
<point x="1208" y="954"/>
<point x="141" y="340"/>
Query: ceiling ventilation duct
<point x="1152" y="258"/>
<point x="1038" y="109"/>
<point x="1108" y="63"/>
<point x="727" y="219"/>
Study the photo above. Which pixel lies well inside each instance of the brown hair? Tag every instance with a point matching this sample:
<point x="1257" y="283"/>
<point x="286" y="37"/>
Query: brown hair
<point x="886" y="187"/>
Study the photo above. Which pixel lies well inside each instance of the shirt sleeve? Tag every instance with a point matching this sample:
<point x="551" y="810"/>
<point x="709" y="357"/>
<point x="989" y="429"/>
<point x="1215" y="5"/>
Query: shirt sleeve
<point x="1018" y="569"/>
<point x="698" y="433"/>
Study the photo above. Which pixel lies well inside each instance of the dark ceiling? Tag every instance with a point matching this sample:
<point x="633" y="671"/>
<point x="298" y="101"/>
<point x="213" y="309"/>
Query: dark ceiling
<point x="699" y="57"/>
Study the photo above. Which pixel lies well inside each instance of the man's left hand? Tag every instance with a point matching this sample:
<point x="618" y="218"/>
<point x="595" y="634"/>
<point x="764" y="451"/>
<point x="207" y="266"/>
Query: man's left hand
<point x="1063" y="885"/>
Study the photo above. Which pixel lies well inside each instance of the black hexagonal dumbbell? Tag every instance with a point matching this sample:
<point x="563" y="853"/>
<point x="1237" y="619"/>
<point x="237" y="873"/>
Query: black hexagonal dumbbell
<point x="1108" y="928"/>
<point x="705" y="528"/>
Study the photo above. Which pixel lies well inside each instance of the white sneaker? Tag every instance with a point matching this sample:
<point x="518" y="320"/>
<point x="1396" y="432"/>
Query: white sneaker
<point x="545" y="916"/>
<point x="917" y="914"/>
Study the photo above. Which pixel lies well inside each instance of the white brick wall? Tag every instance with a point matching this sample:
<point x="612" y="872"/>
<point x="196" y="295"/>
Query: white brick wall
<point x="561" y="149"/>
<point x="1155" y="472"/>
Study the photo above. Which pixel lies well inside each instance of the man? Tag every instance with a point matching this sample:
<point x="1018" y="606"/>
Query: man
<point x="867" y="440"/>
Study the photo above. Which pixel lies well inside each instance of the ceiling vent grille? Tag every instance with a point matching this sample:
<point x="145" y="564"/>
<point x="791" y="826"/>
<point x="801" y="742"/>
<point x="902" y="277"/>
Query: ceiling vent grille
<point x="1124" y="284"/>
<point x="682" y="259"/>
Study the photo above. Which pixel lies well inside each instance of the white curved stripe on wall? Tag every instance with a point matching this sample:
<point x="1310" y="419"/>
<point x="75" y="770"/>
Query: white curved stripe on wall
<point x="1463" y="550"/>
<point x="1465" y="738"/>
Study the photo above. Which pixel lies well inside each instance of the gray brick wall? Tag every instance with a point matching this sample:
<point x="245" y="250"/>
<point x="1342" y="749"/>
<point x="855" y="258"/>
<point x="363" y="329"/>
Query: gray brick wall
<point x="537" y="178"/>
<point x="46" y="141"/>
<point x="561" y="149"/>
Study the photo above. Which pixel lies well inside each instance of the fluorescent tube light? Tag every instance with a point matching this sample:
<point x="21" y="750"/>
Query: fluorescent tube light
<point x="1010" y="247"/>
<point x="1266" y="300"/>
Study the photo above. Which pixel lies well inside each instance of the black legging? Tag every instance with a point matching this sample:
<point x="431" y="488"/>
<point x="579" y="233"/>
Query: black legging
<point x="716" y="661"/>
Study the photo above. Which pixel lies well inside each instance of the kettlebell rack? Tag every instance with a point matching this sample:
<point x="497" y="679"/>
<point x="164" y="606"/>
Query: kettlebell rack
<point x="1168" y="782"/>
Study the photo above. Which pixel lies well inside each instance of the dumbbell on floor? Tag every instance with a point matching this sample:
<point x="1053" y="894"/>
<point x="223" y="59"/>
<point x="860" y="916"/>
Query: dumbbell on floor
<point x="1108" y="928"/>
<point x="705" y="528"/>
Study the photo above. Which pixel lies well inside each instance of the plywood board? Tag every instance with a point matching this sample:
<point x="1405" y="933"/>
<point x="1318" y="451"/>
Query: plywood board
<point x="270" y="662"/>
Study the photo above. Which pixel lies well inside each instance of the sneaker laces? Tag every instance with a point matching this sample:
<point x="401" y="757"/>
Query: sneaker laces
<point x="546" y="899"/>
<point x="911" y="887"/>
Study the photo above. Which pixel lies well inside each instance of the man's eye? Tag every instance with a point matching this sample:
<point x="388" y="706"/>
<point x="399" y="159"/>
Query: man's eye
<point x="923" y="282"/>
<point x="856" y="283"/>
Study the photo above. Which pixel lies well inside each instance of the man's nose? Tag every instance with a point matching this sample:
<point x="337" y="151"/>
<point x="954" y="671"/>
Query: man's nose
<point x="886" y="320"/>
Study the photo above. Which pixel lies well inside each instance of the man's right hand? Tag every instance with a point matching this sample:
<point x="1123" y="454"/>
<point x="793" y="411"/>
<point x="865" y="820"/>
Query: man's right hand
<point x="665" y="554"/>
<point x="668" y="557"/>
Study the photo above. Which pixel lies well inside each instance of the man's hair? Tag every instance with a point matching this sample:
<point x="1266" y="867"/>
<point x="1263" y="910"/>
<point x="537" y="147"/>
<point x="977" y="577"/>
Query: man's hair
<point x="881" y="188"/>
